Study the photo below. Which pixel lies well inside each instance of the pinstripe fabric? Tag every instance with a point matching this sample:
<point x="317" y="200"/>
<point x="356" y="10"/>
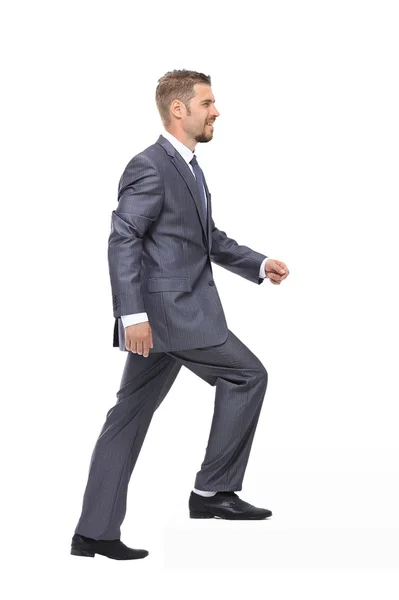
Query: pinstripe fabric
<point x="160" y="253"/>
<point x="240" y="380"/>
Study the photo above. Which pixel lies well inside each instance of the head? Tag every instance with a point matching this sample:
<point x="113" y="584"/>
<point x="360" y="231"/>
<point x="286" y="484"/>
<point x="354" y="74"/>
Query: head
<point x="186" y="105"/>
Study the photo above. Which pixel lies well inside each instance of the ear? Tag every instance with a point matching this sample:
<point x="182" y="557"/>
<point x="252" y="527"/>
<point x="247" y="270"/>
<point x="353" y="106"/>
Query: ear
<point x="177" y="108"/>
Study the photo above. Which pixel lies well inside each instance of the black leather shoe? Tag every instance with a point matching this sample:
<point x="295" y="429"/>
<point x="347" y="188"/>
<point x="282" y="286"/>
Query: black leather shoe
<point x="85" y="546"/>
<point x="224" y="505"/>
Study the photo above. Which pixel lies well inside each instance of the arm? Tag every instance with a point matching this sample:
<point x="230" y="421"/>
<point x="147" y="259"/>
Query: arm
<point x="140" y="199"/>
<point x="238" y="259"/>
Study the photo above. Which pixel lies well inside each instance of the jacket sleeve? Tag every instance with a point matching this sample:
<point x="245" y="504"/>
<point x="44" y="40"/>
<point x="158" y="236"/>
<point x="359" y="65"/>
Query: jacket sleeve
<point x="238" y="259"/>
<point x="140" y="200"/>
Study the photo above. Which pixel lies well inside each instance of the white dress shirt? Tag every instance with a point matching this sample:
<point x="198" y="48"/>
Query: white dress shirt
<point x="187" y="154"/>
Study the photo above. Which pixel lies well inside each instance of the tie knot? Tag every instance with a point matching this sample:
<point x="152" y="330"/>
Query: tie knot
<point x="194" y="161"/>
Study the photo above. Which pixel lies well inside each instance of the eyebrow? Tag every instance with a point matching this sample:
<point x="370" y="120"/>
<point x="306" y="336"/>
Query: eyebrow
<point x="208" y="100"/>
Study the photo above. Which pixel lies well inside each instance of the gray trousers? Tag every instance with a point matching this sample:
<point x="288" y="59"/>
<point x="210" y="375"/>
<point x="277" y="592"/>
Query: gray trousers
<point x="240" y="380"/>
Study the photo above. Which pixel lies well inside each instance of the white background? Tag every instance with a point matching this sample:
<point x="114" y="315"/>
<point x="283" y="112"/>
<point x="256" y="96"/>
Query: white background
<point x="308" y="96"/>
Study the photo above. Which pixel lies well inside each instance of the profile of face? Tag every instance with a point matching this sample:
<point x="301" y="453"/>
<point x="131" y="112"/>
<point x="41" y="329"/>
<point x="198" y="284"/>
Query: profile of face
<point x="196" y="121"/>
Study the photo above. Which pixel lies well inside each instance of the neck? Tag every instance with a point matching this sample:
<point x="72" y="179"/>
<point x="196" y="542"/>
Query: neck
<point x="183" y="138"/>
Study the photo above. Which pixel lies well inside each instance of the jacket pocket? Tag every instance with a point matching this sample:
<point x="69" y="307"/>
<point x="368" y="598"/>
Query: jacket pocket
<point x="169" y="284"/>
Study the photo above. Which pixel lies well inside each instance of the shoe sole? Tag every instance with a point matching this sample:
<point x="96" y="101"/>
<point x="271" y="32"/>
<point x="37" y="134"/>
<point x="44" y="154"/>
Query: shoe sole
<point x="76" y="552"/>
<point x="194" y="514"/>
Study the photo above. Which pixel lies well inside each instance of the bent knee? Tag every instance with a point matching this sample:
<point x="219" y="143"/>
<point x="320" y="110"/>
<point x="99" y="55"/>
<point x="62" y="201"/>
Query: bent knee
<point x="261" y="373"/>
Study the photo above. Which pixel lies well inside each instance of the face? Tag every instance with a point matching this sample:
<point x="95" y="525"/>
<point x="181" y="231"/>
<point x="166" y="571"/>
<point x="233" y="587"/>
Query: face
<point x="202" y="112"/>
<point x="195" y="123"/>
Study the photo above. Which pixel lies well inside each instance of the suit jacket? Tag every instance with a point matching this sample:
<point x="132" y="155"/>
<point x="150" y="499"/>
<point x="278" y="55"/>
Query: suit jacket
<point x="160" y="253"/>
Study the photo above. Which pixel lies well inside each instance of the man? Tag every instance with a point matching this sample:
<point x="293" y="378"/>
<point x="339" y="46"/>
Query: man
<point x="167" y="314"/>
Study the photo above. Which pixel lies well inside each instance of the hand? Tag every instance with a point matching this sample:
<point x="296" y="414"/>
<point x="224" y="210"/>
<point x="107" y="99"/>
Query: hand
<point x="138" y="338"/>
<point x="276" y="271"/>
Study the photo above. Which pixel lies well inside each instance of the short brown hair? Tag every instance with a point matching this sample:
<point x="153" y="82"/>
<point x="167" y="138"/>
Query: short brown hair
<point x="178" y="84"/>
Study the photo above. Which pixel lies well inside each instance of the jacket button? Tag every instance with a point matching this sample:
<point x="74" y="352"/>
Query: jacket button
<point x="211" y="282"/>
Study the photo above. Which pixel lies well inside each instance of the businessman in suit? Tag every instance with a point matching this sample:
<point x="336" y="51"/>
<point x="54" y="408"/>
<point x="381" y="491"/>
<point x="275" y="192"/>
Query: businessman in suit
<point x="168" y="313"/>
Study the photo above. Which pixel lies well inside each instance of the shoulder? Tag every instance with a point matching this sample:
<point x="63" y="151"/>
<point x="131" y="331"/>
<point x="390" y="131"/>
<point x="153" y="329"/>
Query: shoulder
<point x="148" y="159"/>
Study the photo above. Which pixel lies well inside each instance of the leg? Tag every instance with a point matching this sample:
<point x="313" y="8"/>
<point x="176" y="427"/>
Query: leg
<point x="145" y="383"/>
<point x="241" y="381"/>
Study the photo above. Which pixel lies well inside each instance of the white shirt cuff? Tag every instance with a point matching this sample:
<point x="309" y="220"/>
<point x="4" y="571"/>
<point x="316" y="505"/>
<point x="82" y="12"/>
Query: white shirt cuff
<point x="134" y="319"/>
<point x="262" y="268"/>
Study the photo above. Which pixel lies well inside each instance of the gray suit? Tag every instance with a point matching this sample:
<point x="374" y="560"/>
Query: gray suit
<point x="160" y="253"/>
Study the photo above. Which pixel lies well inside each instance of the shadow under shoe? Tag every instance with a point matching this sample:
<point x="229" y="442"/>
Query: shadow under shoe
<point x="224" y="505"/>
<point x="85" y="546"/>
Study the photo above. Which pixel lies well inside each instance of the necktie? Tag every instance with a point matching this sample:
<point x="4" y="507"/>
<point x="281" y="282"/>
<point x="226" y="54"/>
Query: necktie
<point x="200" y="182"/>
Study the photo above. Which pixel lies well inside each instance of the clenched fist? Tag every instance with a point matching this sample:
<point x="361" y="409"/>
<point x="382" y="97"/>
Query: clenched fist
<point x="276" y="271"/>
<point x="138" y="338"/>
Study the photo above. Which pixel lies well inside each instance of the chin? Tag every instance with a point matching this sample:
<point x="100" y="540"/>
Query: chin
<point x="203" y="138"/>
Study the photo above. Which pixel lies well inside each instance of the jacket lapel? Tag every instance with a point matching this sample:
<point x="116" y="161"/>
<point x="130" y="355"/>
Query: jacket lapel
<point x="209" y="217"/>
<point x="189" y="178"/>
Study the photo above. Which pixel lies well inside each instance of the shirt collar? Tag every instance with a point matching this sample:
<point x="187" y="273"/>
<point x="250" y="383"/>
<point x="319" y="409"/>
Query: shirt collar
<point x="183" y="150"/>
